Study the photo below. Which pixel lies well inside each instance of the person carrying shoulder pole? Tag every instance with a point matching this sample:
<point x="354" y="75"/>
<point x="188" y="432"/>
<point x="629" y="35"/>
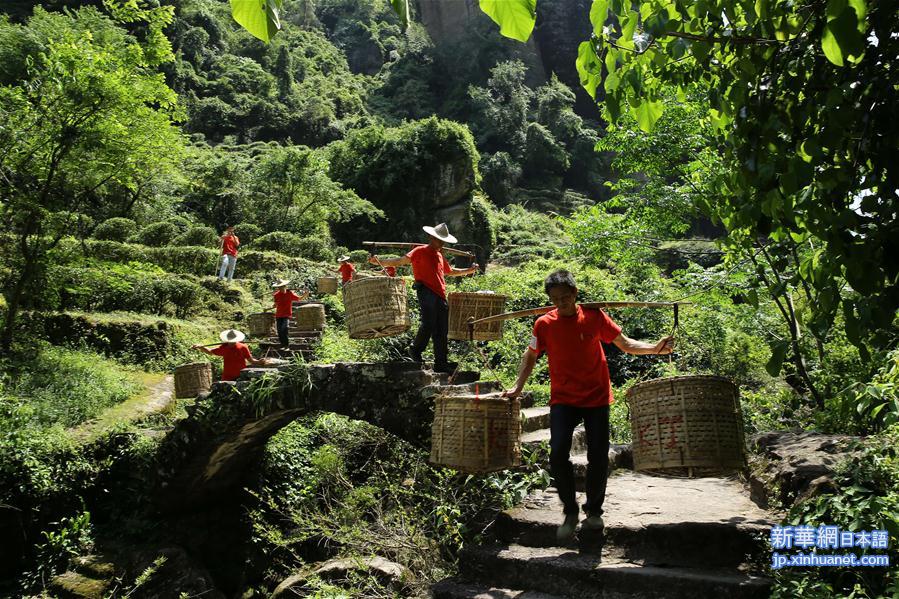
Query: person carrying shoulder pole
<point x="346" y="270"/>
<point x="235" y="354"/>
<point x="571" y="336"/>
<point x="429" y="269"/>
<point x="229" y="253"/>
<point x="283" y="307"/>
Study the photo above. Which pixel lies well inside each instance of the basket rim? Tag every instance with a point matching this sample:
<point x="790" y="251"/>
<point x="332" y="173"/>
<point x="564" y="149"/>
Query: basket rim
<point x="193" y="365"/>
<point x="481" y="396"/>
<point x="676" y="379"/>
<point x="476" y="294"/>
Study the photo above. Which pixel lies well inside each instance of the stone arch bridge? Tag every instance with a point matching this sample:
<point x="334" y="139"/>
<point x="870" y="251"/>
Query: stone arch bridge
<point x="206" y="457"/>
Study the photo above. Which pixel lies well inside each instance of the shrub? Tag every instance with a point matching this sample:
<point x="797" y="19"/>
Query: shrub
<point x="115" y="229"/>
<point x="315" y="248"/>
<point x="247" y="232"/>
<point x="291" y="244"/>
<point x="279" y="241"/>
<point x="193" y="260"/>
<point x="167" y="295"/>
<point x="198" y="236"/>
<point x="114" y="251"/>
<point x="135" y="287"/>
<point x="156" y="235"/>
<point x="182" y="223"/>
<point x="358" y="257"/>
<point x="864" y="496"/>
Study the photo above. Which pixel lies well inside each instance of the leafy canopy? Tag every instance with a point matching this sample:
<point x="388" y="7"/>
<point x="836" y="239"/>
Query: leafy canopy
<point x="800" y="98"/>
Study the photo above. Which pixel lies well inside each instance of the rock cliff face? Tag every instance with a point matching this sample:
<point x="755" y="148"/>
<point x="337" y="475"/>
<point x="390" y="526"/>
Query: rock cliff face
<point x="445" y="19"/>
<point x="561" y="26"/>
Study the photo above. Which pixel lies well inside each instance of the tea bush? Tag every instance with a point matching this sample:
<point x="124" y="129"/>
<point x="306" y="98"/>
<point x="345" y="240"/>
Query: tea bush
<point x="115" y="229"/>
<point x="198" y="236"/>
<point x="157" y="234"/>
<point x="247" y="233"/>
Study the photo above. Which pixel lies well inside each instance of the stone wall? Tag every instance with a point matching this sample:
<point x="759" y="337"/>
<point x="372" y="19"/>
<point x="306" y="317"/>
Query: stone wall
<point x="205" y="457"/>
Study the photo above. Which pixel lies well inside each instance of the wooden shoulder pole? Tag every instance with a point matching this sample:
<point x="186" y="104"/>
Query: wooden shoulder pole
<point x="592" y="305"/>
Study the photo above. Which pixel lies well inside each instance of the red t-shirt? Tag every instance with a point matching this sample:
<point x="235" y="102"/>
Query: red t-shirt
<point x="229" y="245"/>
<point x="284" y="303"/>
<point x="390" y="270"/>
<point x="235" y="357"/>
<point x="578" y="372"/>
<point x="428" y="266"/>
<point x="346" y="271"/>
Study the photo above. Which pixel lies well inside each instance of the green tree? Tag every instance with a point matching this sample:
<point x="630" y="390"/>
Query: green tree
<point x="801" y="100"/>
<point x="289" y="189"/>
<point x="502" y="109"/>
<point x="85" y="132"/>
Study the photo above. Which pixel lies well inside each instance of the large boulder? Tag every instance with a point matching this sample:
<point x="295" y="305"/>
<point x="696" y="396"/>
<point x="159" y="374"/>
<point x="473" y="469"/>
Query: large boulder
<point x="789" y="467"/>
<point x="388" y="573"/>
<point x="420" y="173"/>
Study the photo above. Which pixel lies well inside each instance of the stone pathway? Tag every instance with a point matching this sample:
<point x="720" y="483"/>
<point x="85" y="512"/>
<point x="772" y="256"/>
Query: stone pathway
<point x="157" y="397"/>
<point x="665" y="537"/>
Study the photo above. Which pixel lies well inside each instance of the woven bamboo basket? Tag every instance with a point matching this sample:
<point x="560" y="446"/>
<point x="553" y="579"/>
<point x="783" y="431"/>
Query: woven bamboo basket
<point x="686" y="424"/>
<point x="327" y="285"/>
<point x="309" y="317"/>
<point x="463" y="306"/>
<point x="260" y="325"/>
<point x="375" y="307"/>
<point x="476" y="434"/>
<point x="192" y="379"/>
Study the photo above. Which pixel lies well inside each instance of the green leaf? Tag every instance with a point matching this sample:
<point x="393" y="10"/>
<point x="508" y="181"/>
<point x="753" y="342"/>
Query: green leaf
<point x="259" y="17"/>
<point x="599" y="12"/>
<point x="401" y="8"/>
<point x="628" y="26"/>
<point x="778" y="355"/>
<point x="753" y="298"/>
<point x="861" y="10"/>
<point x="841" y="38"/>
<point x="647" y="113"/>
<point x="589" y="68"/>
<point x="515" y="18"/>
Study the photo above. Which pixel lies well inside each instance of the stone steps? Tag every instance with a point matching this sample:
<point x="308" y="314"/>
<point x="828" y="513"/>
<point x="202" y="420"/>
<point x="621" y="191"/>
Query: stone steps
<point x="566" y="573"/>
<point x="534" y="439"/>
<point x="533" y="419"/>
<point x="89" y="577"/>
<point x="653" y="520"/>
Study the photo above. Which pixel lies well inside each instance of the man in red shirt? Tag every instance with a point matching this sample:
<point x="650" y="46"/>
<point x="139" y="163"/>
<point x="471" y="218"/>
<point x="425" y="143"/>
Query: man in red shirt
<point x="429" y="268"/>
<point x="580" y="390"/>
<point x="284" y="299"/>
<point x="346" y="269"/>
<point x="229" y="253"/>
<point x="236" y="355"/>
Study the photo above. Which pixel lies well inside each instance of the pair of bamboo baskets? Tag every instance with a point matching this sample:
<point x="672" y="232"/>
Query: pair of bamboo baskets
<point x="686" y="425"/>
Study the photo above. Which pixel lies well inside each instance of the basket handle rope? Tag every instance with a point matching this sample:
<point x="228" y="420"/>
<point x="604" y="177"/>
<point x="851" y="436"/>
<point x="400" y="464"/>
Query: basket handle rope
<point x="485" y="362"/>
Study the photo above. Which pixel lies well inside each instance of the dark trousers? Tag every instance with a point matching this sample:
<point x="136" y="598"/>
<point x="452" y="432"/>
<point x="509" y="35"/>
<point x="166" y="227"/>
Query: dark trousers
<point x="283" y="325"/>
<point x="434" y="324"/>
<point x="563" y="420"/>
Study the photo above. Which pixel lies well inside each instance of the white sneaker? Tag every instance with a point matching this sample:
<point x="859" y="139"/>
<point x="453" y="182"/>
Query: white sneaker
<point x="566" y="532"/>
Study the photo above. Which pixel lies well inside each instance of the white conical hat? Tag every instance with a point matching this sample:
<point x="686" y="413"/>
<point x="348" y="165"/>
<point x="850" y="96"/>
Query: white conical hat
<point x="440" y="232"/>
<point x="231" y="336"/>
